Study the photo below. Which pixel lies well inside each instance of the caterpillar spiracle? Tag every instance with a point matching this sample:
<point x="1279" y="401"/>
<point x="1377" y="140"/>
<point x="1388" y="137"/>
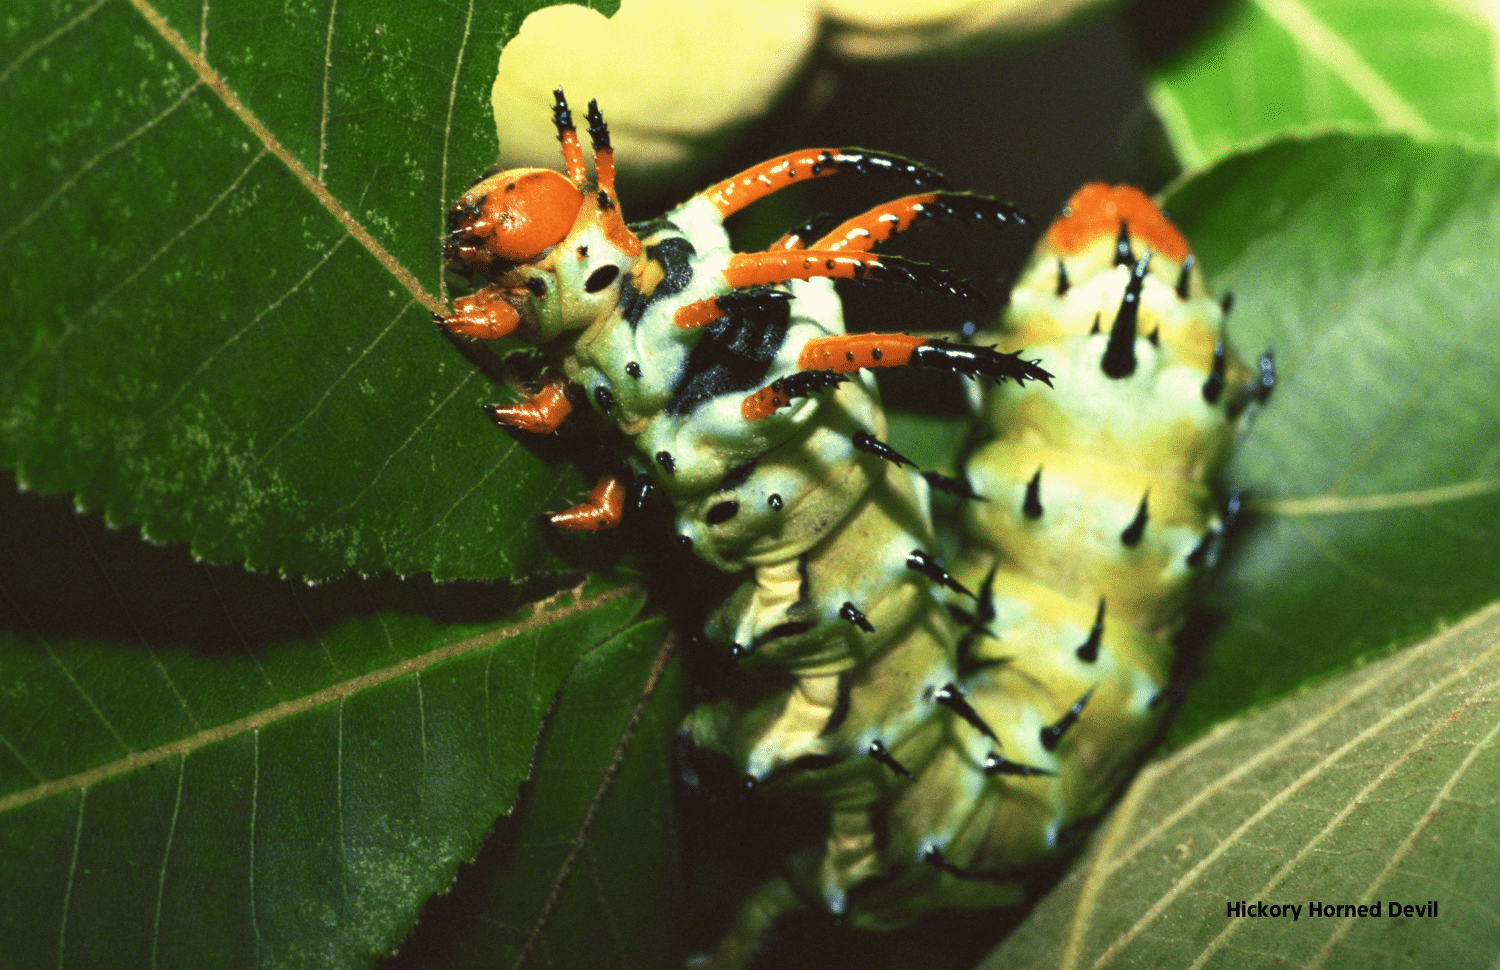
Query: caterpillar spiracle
<point x="948" y="724"/>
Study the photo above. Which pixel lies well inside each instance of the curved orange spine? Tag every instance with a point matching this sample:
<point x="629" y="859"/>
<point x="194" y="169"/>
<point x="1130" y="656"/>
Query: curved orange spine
<point x="759" y="181"/>
<point x="875" y="226"/>
<point x="855" y="351"/>
<point x="603" y="510"/>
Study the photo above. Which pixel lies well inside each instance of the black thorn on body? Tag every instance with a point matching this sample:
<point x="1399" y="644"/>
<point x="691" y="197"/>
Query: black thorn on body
<point x="852" y="613"/>
<point x="1131" y="537"/>
<point x="860" y="161"/>
<point x="605" y="399"/>
<point x="1052" y="734"/>
<point x="1088" y="652"/>
<point x="970" y="205"/>
<point x="598" y="130"/>
<point x="1119" y="353"/>
<point x="984" y="612"/>
<point x="1032" y="506"/>
<point x="536" y="287"/>
<point x="1185" y="276"/>
<point x="1062" y="279"/>
<point x="921" y="276"/>
<point x="1123" y="255"/>
<point x="1095" y="328"/>
<point x="1154" y="336"/>
<point x="633" y="369"/>
<point x="774" y="501"/>
<point x="877" y="751"/>
<point x="1213" y="386"/>
<point x="953" y="486"/>
<point x="994" y="764"/>
<point x="868" y="443"/>
<point x="561" y="116"/>
<point x="978" y="362"/>
<point x="1226" y="302"/>
<point x="953" y="699"/>
<point x="929" y="566"/>
<point x="667" y="462"/>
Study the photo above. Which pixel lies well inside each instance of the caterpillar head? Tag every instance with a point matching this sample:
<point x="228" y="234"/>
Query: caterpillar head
<point x="551" y="246"/>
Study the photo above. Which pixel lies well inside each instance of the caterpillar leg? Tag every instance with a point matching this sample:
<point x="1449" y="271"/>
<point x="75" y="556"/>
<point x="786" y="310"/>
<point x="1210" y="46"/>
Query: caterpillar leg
<point x="542" y="413"/>
<point x="603" y="509"/>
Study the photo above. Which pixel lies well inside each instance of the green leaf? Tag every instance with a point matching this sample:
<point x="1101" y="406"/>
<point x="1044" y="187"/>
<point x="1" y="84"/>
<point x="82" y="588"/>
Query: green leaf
<point x="1426" y="67"/>
<point x="1373" y="475"/>
<point x="203" y="767"/>
<point x="221" y="253"/>
<point x="1377" y="787"/>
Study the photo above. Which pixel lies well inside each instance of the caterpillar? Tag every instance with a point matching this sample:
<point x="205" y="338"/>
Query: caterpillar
<point x="946" y="722"/>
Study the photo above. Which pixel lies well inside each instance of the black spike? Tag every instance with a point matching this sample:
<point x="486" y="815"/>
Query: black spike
<point x="666" y="461"/>
<point x="1052" y="734"/>
<point x="1226" y="302"/>
<point x="978" y="362"/>
<point x="1203" y="552"/>
<point x="877" y="751"/>
<point x="1089" y="651"/>
<point x="920" y="276"/>
<point x="633" y="369"/>
<point x="929" y="566"/>
<point x="561" y="116"/>
<point x="953" y="486"/>
<point x="1154" y="336"/>
<point x="851" y="613"/>
<point x="994" y="764"/>
<point x="1095" y="328"/>
<point x="860" y="161"/>
<point x="806" y="383"/>
<point x="976" y="623"/>
<point x="814" y="228"/>
<point x="1131" y="537"/>
<point x="1119" y="354"/>
<point x="1062" y="279"/>
<point x="950" y="697"/>
<point x="868" y="443"/>
<point x="598" y="130"/>
<point x="1032" y="507"/>
<point x="1184" y="277"/>
<point x="1123" y="255"/>
<point x="1213" y="387"/>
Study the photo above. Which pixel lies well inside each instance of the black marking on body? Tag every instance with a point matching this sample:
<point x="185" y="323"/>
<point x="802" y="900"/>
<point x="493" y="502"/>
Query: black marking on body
<point x="852" y="613"/>
<point x="536" y="287"/>
<point x="1226" y="302"/>
<point x="675" y="256"/>
<point x="601" y="278"/>
<point x="878" y="751"/>
<point x="605" y="399"/>
<point x="667" y="462"/>
<point x="774" y="501"/>
<point x="953" y="699"/>
<point x="843" y="703"/>
<point x="1213" y="386"/>
<point x="721" y="512"/>
<point x="1185" y="276"/>
<point x="1119" y="353"/>
<point x="1095" y="328"/>
<point x="929" y="566"/>
<point x="735" y="351"/>
<point x="645" y="229"/>
<point x="869" y="444"/>
<point x="994" y="764"/>
<point x="737" y="476"/>
<point x="1032" y="506"/>
<point x="1088" y="651"/>
<point x="1131" y="537"/>
<point x="1062" y="279"/>
<point x="1052" y="734"/>
<point x="604" y="201"/>
<point x="633" y="369"/>
<point x="1202" y="553"/>
<point x="978" y="362"/>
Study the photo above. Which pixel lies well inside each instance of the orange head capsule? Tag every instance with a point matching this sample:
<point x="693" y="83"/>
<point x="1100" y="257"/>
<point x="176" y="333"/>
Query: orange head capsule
<point x="511" y="217"/>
